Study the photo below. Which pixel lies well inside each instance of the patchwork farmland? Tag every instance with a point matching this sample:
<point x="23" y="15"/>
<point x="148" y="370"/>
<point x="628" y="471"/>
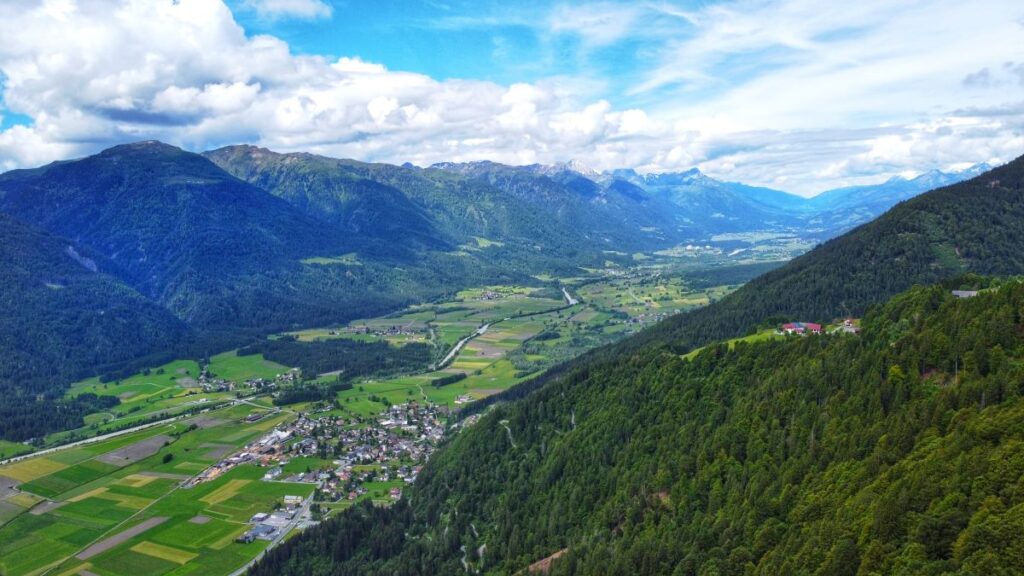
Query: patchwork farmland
<point x="117" y="507"/>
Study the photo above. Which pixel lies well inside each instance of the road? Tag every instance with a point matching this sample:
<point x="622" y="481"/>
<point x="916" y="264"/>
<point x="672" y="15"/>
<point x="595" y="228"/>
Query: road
<point x="509" y="430"/>
<point x="90" y="440"/>
<point x="103" y="437"/>
<point x="568" y="297"/>
<point x="479" y="331"/>
<point x="299" y="515"/>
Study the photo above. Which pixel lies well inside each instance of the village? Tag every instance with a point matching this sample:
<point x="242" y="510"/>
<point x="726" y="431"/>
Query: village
<point x="381" y="332"/>
<point x="351" y="453"/>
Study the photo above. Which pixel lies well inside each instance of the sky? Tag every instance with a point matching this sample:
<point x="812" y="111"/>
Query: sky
<point x="798" y="95"/>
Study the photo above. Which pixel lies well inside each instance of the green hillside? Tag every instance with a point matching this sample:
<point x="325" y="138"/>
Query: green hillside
<point x="975" y="226"/>
<point x="227" y="257"/>
<point x="535" y="222"/>
<point x="894" y="452"/>
<point x="61" y="312"/>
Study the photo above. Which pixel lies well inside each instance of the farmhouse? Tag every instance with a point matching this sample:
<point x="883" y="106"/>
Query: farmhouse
<point x="849" y="327"/>
<point x="801" y="328"/>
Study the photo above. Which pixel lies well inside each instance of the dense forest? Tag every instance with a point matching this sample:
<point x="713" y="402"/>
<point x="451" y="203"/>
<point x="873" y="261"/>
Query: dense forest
<point x="896" y="451"/>
<point x="61" y="313"/>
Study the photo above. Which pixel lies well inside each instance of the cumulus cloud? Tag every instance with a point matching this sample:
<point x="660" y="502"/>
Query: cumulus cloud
<point x="91" y="73"/>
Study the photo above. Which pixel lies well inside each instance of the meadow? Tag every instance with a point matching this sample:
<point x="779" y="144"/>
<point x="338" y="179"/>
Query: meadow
<point x="117" y="506"/>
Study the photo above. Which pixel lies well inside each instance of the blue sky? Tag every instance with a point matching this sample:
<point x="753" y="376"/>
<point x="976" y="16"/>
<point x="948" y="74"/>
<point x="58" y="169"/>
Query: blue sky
<point x="799" y="95"/>
<point x="501" y="42"/>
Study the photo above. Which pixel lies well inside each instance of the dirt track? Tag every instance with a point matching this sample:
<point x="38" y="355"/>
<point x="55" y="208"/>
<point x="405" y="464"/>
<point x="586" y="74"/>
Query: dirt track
<point x="104" y="545"/>
<point x="135" y="452"/>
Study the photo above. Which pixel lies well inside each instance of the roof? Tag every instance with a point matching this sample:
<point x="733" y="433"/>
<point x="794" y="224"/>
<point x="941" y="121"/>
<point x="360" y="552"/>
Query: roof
<point x="801" y="326"/>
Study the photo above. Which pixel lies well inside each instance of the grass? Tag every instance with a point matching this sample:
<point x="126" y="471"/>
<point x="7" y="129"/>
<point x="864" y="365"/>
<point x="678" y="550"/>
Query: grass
<point x="760" y="336"/>
<point x="12" y="449"/>
<point x="162" y="552"/>
<point x="231" y="366"/>
<point x="102" y="497"/>
<point x="68" y="478"/>
<point x="350" y="259"/>
<point x="173" y="375"/>
<point x="28" y="470"/>
<point x="225" y="492"/>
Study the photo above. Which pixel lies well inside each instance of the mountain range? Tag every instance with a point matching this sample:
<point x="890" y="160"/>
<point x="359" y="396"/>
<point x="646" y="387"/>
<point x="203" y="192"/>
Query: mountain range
<point x="211" y="250"/>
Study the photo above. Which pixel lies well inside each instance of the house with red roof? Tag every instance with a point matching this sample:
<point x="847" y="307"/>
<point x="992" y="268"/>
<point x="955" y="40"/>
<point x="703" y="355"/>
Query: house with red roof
<point x="801" y="328"/>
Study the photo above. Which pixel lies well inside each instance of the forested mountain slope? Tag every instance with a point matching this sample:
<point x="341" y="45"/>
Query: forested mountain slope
<point x="611" y="214"/>
<point x="843" y="208"/>
<point x="178" y="236"/>
<point x="530" y="216"/>
<point x="898" y="451"/>
<point x="973" y="226"/>
<point x="223" y="255"/>
<point x="62" y="311"/>
<point x="323" y="187"/>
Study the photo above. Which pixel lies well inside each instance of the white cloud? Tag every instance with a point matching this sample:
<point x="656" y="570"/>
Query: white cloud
<point x="824" y="107"/>
<point x="596" y="24"/>
<point x="307" y="9"/>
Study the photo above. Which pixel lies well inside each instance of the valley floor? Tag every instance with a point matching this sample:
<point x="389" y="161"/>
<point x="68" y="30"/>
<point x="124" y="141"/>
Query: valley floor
<point x="146" y="502"/>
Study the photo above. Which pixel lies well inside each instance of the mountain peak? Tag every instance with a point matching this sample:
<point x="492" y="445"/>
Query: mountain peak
<point x="574" y="165"/>
<point x="580" y="167"/>
<point x="141" y="147"/>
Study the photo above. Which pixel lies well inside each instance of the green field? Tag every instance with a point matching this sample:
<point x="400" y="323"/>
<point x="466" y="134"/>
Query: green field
<point x="94" y="499"/>
<point x="73" y="498"/>
<point x="230" y="366"/>
<point x="760" y="336"/>
<point x="11" y="449"/>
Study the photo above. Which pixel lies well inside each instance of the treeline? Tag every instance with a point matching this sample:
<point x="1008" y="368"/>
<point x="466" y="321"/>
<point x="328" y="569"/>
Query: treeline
<point x="310" y="392"/>
<point x="23" y="418"/>
<point x="350" y="358"/>
<point x="727" y="275"/>
<point x="446" y="380"/>
<point x="893" y="452"/>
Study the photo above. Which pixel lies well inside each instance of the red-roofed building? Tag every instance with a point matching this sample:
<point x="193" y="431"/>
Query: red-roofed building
<point x="801" y="328"/>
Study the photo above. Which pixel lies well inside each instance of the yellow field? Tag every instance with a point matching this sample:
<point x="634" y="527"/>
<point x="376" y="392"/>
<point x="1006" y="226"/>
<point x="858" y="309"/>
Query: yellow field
<point x="126" y="501"/>
<point x="28" y="470"/>
<point x="89" y="494"/>
<point x="136" y="480"/>
<point x="24" y="500"/>
<point x="175" y="555"/>
<point x="266" y="423"/>
<point x="225" y="492"/>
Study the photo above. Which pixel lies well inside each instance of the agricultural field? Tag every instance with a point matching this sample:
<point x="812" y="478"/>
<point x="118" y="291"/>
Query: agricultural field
<point x="160" y="392"/>
<point x="647" y="296"/>
<point x="231" y="366"/>
<point x="11" y="449"/>
<point x="174" y="375"/>
<point x="529" y="329"/>
<point x="117" y="506"/>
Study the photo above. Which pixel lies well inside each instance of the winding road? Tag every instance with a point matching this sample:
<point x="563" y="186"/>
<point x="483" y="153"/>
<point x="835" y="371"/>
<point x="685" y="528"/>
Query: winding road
<point x="458" y="347"/>
<point x="568" y="297"/>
